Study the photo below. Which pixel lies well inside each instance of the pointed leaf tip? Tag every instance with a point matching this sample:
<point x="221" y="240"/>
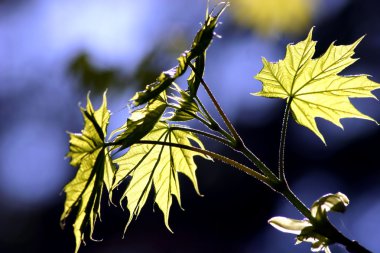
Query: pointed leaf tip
<point x="317" y="89"/>
<point x="155" y="167"/>
<point x="87" y="152"/>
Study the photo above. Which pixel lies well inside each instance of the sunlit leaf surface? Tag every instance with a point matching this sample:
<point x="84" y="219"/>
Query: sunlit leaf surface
<point x="201" y="42"/>
<point x="313" y="86"/>
<point x="141" y="122"/>
<point x="87" y="151"/>
<point x="157" y="166"/>
<point x="185" y="105"/>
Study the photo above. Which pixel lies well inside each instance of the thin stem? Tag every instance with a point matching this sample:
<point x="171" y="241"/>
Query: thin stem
<point x="215" y="125"/>
<point x="335" y="236"/>
<point x="281" y="151"/>
<point x="206" y="134"/>
<point x="296" y="202"/>
<point x="239" y="146"/>
<point x="258" y="163"/>
<point x="326" y="229"/>
<point x="228" y="123"/>
<point x="216" y="156"/>
<point x="203" y="109"/>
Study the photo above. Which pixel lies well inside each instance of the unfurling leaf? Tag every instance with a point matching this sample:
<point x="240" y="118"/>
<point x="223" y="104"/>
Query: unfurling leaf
<point x="185" y="106"/>
<point x="288" y="225"/>
<point x="87" y="151"/>
<point x="157" y="166"/>
<point x="202" y="40"/>
<point x="318" y="241"/>
<point x="313" y="87"/>
<point x="307" y="231"/>
<point x="330" y="202"/>
<point x="141" y="122"/>
<point x="193" y="81"/>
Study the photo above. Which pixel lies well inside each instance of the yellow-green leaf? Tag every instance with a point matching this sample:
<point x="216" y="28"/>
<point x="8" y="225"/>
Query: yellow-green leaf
<point x="193" y="80"/>
<point x="185" y="105"/>
<point x="157" y="166"/>
<point x="201" y="42"/>
<point x="87" y="152"/>
<point x="141" y="122"/>
<point x="313" y="86"/>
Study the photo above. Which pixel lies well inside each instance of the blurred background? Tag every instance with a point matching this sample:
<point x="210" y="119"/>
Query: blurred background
<point x="53" y="52"/>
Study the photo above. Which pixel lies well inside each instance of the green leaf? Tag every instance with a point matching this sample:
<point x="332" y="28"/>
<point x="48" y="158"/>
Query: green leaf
<point x="141" y="122"/>
<point x="87" y="152"/>
<point x="186" y="106"/>
<point x="313" y="86"/>
<point x="193" y="81"/>
<point x="157" y="166"/>
<point x="202" y="40"/>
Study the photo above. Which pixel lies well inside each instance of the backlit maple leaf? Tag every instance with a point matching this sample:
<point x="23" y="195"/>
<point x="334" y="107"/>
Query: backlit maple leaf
<point x="313" y="87"/>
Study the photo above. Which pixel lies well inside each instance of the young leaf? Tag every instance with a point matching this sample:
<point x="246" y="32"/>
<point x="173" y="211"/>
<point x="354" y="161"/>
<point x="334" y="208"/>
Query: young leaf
<point x="330" y="202"/>
<point x="202" y="40"/>
<point x="288" y="225"/>
<point x="141" y="122"/>
<point x="313" y="86"/>
<point x="308" y="232"/>
<point x="154" y="165"/>
<point x="193" y="81"/>
<point x="186" y="108"/>
<point x="87" y="152"/>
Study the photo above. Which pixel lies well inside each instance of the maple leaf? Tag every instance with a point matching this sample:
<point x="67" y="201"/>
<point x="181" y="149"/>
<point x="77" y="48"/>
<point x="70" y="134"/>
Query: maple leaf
<point x="87" y="151"/>
<point x="141" y="122"/>
<point x="185" y="105"/>
<point x="157" y="166"/>
<point x="201" y="42"/>
<point x="313" y="87"/>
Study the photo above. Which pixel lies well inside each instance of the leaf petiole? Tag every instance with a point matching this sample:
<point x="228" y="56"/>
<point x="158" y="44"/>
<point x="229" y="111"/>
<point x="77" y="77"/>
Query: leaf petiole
<point x="238" y="142"/>
<point x="216" y="156"/>
<point x="214" y="124"/>
<point x="228" y="123"/>
<point x="281" y="160"/>
<point x="206" y="134"/>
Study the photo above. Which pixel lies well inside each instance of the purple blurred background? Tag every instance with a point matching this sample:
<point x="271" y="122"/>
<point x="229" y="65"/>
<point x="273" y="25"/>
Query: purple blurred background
<point x="53" y="52"/>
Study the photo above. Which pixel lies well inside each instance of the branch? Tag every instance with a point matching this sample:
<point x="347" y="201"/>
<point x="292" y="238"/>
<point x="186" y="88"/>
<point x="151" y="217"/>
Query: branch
<point x="214" y="125"/>
<point x="200" y="132"/>
<point x="216" y="156"/>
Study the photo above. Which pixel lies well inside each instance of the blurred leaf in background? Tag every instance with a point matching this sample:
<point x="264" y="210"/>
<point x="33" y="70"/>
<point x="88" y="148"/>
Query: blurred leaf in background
<point x="89" y="76"/>
<point x="269" y="17"/>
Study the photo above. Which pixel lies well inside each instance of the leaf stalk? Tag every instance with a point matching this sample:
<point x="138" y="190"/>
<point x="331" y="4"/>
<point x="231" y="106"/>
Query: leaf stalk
<point x="231" y="128"/>
<point x="216" y="156"/>
<point x="281" y="160"/>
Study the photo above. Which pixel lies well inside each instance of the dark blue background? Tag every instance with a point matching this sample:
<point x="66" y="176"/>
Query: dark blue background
<point x="53" y="52"/>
